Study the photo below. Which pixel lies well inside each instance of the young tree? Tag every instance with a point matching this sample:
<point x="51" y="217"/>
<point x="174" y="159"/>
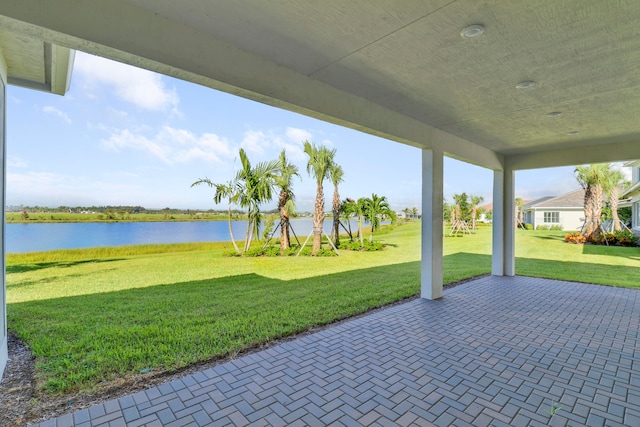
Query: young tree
<point x="475" y="201"/>
<point x="336" y="173"/>
<point x="361" y="207"/>
<point x="251" y="187"/>
<point x="376" y="208"/>
<point x="591" y="178"/>
<point x="611" y="186"/>
<point x="287" y="171"/>
<point x="321" y="159"/>
<point x="230" y="192"/>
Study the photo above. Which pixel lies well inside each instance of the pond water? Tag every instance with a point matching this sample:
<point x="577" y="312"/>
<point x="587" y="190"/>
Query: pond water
<point x="50" y="236"/>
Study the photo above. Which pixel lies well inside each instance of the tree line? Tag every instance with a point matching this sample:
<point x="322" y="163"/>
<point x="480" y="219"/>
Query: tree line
<point x="255" y="185"/>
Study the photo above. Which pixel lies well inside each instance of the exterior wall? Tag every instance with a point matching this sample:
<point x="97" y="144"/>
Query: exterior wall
<point x="569" y="218"/>
<point x="4" y="356"/>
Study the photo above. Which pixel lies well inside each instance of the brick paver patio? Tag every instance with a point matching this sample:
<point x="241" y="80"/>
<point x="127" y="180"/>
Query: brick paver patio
<point x="498" y="351"/>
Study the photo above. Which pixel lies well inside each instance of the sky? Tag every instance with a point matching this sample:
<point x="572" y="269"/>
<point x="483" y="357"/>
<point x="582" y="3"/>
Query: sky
<point x="127" y="136"/>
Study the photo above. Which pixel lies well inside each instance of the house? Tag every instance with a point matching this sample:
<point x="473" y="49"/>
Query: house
<point x="566" y="211"/>
<point x="632" y="194"/>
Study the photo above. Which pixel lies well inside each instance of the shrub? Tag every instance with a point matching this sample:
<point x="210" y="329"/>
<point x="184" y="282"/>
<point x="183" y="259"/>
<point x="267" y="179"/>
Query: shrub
<point x="528" y="226"/>
<point x="625" y="238"/>
<point x="543" y="227"/>
<point x="575" y="238"/>
<point x="557" y="227"/>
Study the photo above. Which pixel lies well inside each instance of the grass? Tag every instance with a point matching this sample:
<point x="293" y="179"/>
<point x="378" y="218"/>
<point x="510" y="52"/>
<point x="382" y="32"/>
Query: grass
<point x="54" y="217"/>
<point x="97" y="315"/>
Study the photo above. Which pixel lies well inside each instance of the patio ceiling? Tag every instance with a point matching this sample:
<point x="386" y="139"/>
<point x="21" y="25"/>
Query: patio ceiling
<point x="400" y="70"/>
<point x="36" y="64"/>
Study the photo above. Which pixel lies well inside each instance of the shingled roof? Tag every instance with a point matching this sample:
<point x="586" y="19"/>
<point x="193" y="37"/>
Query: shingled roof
<point x="574" y="199"/>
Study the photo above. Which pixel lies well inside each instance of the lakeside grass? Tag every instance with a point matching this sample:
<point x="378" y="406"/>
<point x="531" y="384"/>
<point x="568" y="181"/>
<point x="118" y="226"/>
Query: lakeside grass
<point x="92" y="316"/>
<point x="61" y="217"/>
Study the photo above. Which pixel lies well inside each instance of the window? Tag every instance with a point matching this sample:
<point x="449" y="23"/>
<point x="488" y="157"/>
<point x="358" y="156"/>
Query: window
<point x="552" y="217"/>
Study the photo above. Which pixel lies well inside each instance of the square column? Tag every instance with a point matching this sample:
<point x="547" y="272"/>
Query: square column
<point x="503" y="253"/>
<point x="432" y="223"/>
<point x="4" y="355"/>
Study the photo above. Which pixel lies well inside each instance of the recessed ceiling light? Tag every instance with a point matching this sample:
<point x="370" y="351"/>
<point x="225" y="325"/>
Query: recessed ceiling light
<point x="526" y="84"/>
<point x="554" y="114"/>
<point x="472" y="31"/>
<point x="573" y="133"/>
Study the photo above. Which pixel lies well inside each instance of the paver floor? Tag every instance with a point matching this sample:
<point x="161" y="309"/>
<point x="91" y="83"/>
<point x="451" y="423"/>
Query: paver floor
<point x="497" y="351"/>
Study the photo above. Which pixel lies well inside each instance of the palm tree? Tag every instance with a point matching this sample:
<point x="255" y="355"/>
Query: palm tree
<point x="376" y="208"/>
<point x="611" y="186"/>
<point x="283" y="179"/>
<point x="347" y="209"/>
<point x="591" y="178"/>
<point x="257" y="184"/>
<point x="475" y="201"/>
<point x="361" y="207"/>
<point x="229" y="191"/>
<point x="319" y="164"/>
<point x="336" y="173"/>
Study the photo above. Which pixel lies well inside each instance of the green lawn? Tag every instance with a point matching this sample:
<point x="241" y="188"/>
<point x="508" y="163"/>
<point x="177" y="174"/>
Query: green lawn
<point x="93" y="316"/>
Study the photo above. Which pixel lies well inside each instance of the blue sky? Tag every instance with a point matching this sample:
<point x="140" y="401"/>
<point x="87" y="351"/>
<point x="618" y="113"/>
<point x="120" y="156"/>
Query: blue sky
<point x="126" y="136"/>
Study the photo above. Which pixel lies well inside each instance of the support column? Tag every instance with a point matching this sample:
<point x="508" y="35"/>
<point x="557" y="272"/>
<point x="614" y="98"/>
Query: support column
<point x="432" y="223"/>
<point x="4" y="355"/>
<point x="503" y="253"/>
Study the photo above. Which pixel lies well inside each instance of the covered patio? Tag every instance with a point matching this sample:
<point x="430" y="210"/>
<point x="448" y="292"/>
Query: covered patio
<point x="498" y="351"/>
<point x="504" y="85"/>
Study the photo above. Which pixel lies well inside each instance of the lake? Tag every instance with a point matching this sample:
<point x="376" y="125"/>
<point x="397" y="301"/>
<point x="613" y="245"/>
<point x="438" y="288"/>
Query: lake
<point x="50" y="236"/>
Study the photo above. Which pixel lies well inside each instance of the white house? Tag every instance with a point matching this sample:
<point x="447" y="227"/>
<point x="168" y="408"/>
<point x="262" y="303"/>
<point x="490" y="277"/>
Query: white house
<point x="566" y="210"/>
<point x="633" y="195"/>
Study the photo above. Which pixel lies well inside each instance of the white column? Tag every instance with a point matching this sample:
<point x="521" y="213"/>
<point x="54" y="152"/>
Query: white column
<point x="503" y="254"/>
<point x="4" y="356"/>
<point x="432" y="222"/>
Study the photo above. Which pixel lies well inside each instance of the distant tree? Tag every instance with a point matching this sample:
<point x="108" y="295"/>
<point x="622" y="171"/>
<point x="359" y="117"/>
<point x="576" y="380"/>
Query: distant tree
<point x="463" y="210"/>
<point x="592" y="178"/>
<point x="414" y="212"/>
<point x="475" y="201"/>
<point x="377" y="208"/>
<point x="321" y="159"/>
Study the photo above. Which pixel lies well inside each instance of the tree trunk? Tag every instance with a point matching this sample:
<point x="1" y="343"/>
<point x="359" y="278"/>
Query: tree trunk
<point x="318" y="219"/>
<point x="336" y="217"/>
<point x="473" y="218"/>
<point x="613" y="204"/>
<point x="285" y="242"/>
<point x="592" y="211"/>
<point x="360" y="231"/>
<point x="233" y="240"/>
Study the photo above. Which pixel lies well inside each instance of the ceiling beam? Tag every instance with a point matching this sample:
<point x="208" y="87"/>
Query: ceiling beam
<point x="602" y="153"/>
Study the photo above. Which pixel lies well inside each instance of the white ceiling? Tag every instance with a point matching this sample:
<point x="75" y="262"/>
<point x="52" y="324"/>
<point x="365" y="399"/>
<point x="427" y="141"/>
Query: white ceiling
<point x="36" y="64"/>
<point x="398" y="69"/>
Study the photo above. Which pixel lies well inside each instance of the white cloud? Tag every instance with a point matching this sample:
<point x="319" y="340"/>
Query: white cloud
<point x="172" y="145"/>
<point x="54" y="111"/>
<point x="626" y="171"/>
<point x="255" y="142"/>
<point x="135" y="85"/>
<point x="16" y="162"/>
<point x="298" y="135"/>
